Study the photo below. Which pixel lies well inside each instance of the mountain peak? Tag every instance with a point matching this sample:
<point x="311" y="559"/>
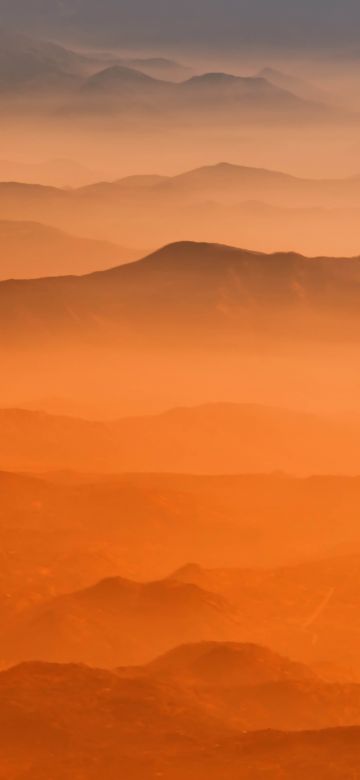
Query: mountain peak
<point x="230" y="663"/>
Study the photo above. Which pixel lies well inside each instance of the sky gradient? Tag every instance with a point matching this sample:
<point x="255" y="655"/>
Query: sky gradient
<point x="279" y="22"/>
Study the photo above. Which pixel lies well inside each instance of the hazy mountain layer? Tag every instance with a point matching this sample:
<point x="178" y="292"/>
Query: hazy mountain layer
<point x="212" y="439"/>
<point x="248" y="207"/>
<point x="32" y="250"/>
<point x="67" y="532"/>
<point x="190" y="295"/>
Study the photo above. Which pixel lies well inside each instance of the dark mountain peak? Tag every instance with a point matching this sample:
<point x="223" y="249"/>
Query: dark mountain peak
<point x="213" y="78"/>
<point x="192" y="250"/>
<point x="231" y="84"/>
<point x="108" y="588"/>
<point x="188" y="570"/>
<point x="227" y="84"/>
<point x="230" y="663"/>
<point x="117" y="590"/>
<point x="123" y="73"/>
<point x="118" y="77"/>
<point x="230" y="175"/>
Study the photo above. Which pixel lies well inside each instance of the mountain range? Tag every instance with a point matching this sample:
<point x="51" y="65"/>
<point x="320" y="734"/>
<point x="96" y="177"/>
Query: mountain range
<point x="257" y="208"/>
<point x="228" y="685"/>
<point x="66" y="531"/>
<point x="119" y="622"/>
<point x="186" y="293"/>
<point x="31" y="250"/>
<point x="179" y="416"/>
<point x="122" y="88"/>
<point x="97" y="720"/>
<point x="261" y="545"/>
<point x="209" y="439"/>
<point x="309" y="608"/>
<point x="68" y="83"/>
<point x="302" y="611"/>
<point x="243" y="685"/>
<point x="28" y="64"/>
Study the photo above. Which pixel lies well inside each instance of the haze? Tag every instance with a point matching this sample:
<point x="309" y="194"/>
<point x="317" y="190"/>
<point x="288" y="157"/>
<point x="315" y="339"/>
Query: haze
<point x="179" y="395"/>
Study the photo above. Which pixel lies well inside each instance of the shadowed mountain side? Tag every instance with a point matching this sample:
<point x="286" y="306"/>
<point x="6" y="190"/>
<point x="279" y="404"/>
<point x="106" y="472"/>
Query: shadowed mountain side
<point x="213" y="439"/>
<point x="31" y="250"/>
<point x="250" y="687"/>
<point x="81" y="721"/>
<point x="190" y="294"/>
<point x="120" y="622"/>
<point x="242" y="687"/>
<point x="226" y="664"/>
<point x="77" y="722"/>
<point x="127" y="84"/>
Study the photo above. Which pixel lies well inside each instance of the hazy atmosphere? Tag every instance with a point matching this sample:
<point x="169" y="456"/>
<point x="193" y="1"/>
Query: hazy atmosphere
<point x="180" y="385"/>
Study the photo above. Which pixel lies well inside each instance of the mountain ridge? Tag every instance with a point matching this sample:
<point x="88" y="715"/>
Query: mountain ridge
<point x="236" y="438"/>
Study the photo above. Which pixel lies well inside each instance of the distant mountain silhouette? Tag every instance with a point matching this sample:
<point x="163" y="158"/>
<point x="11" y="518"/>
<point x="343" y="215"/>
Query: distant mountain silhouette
<point x="125" y="83"/>
<point x="189" y="293"/>
<point x="244" y="183"/>
<point x="28" y="64"/>
<point x="298" y="86"/>
<point x="119" y="622"/>
<point x="160" y="67"/>
<point x="62" y="532"/>
<point x="251" y="96"/>
<point x="255" y="91"/>
<point x="31" y="250"/>
<point x="78" y="82"/>
<point x="101" y="84"/>
<point x="68" y="534"/>
<point x="214" y="438"/>
<point x="238" y="205"/>
<point x="227" y="664"/>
